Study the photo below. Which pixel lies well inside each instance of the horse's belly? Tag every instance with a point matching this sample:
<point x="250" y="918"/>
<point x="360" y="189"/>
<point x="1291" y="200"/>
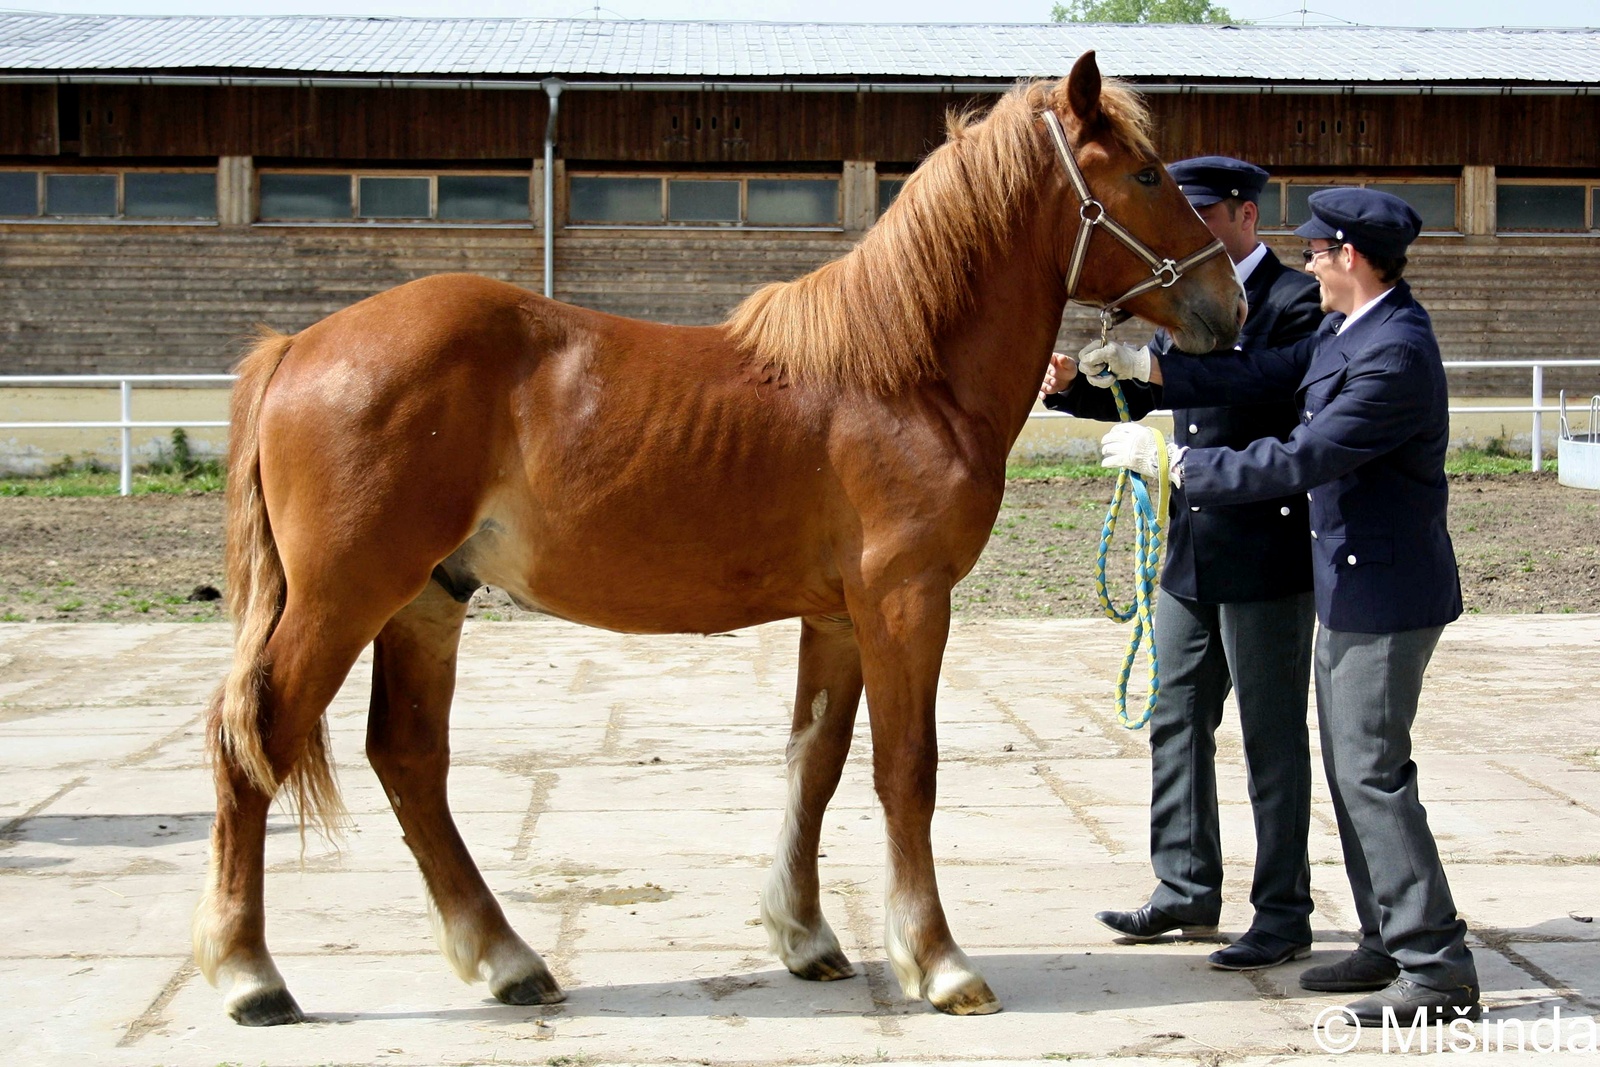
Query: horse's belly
<point x="634" y="585"/>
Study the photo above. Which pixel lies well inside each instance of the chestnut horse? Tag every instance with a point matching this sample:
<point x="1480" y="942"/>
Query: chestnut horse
<point x="835" y="451"/>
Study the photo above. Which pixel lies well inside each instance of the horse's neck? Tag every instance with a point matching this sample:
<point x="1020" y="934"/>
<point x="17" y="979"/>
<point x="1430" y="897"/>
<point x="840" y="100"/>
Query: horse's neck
<point x="995" y="357"/>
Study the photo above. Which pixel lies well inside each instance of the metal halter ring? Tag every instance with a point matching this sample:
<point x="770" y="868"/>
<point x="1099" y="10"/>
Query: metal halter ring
<point x="1099" y="212"/>
<point x="1170" y="269"/>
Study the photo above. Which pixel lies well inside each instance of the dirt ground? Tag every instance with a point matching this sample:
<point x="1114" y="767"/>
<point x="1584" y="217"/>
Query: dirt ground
<point x="1525" y="544"/>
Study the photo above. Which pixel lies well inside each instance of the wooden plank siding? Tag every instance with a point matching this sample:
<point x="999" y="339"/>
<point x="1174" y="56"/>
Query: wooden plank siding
<point x="379" y="124"/>
<point x="1282" y="131"/>
<point x="28" y="120"/>
<point x="1406" y="132"/>
<point x="164" y="300"/>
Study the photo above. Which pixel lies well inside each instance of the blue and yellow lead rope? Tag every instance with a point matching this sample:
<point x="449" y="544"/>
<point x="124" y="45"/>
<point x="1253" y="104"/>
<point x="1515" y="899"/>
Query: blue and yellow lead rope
<point x="1147" y="517"/>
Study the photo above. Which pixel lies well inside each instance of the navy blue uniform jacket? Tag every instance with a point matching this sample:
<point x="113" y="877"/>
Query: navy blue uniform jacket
<point x="1370" y="448"/>
<point x="1237" y="552"/>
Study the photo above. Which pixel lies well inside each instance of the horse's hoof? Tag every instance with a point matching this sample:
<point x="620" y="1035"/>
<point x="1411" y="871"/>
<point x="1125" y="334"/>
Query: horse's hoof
<point x="270" y="1007"/>
<point x="831" y="966"/>
<point x="969" y="997"/>
<point x="537" y="988"/>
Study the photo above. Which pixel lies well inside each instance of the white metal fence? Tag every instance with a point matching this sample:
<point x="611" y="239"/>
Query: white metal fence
<point x="127" y="424"/>
<point x="1537" y="408"/>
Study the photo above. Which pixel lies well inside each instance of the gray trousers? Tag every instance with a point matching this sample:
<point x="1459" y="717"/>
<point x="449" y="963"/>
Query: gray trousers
<point x="1367" y="691"/>
<point x="1262" y="650"/>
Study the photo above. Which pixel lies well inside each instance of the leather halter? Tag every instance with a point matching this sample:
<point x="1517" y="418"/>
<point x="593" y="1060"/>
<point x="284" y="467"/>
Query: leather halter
<point x="1164" y="272"/>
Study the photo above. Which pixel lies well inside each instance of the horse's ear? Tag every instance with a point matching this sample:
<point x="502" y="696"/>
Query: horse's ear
<point x="1083" y="89"/>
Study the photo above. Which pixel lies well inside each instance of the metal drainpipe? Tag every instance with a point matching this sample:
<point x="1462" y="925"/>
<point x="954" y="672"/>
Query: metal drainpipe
<point x="552" y="92"/>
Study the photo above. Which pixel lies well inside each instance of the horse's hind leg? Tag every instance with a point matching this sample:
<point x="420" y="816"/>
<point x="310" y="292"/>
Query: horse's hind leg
<point x="826" y="698"/>
<point x="413" y="680"/>
<point x="309" y="655"/>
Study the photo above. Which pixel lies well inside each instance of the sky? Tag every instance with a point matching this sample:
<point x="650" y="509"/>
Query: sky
<point x="1273" y="12"/>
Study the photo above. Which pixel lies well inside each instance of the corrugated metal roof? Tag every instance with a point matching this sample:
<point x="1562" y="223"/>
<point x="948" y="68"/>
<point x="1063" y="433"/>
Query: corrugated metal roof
<point x="622" y="49"/>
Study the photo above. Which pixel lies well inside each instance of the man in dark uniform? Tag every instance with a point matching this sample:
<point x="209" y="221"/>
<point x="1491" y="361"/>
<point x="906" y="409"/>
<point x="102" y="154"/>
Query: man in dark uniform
<point x="1370" y="448"/>
<point x="1235" y="611"/>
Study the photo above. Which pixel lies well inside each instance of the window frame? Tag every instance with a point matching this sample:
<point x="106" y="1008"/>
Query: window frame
<point x="1287" y="228"/>
<point x="433" y="221"/>
<point x="42" y="173"/>
<point x="742" y="177"/>
<point x="879" y="207"/>
<point x="1591" y="215"/>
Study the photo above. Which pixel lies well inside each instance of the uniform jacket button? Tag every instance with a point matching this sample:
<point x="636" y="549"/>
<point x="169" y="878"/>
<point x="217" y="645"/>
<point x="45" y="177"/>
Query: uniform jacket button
<point x="1193" y="508"/>
<point x="1308" y="496"/>
<point x="1350" y="560"/>
<point x="1193" y="428"/>
<point x="1283" y="510"/>
<point x="1313" y="535"/>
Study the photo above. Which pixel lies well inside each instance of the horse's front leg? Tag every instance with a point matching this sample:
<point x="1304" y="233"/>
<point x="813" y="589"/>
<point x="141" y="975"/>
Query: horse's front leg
<point x="827" y="695"/>
<point x="902" y="632"/>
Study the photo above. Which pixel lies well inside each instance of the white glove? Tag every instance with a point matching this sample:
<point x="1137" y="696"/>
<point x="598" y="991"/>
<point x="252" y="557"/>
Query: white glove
<point x="1101" y="362"/>
<point x="1138" y="448"/>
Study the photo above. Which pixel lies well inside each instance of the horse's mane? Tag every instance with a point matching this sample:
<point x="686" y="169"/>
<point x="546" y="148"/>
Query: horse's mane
<point x="868" y="319"/>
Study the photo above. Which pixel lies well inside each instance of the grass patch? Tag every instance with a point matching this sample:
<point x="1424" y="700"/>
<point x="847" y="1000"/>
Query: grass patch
<point x="1490" y="460"/>
<point x="89" y="481"/>
<point x="1040" y="471"/>
<point x="173" y="471"/>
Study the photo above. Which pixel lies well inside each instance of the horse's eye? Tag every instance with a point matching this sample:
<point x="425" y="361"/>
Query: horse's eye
<point x="1149" y="176"/>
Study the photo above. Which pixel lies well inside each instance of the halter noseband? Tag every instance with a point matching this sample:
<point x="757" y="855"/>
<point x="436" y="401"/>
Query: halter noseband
<point x="1164" y="272"/>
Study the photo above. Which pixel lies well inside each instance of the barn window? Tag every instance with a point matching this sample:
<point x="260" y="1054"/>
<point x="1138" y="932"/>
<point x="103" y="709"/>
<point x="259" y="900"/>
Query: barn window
<point x="305" y="196"/>
<point x="169" y="196"/>
<point x="1285" y="203"/>
<point x="888" y="189"/>
<point x="1270" y="206"/>
<point x="698" y="200"/>
<point x="1298" y="201"/>
<point x="695" y="200"/>
<point x="327" y="197"/>
<point x="792" y="202"/>
<point x="80" y="194"/>
<point x="615" y="200"/>
<point x="1540" y="206"/>
<point x="483" y="196"/>
<point x="394" y="198"/>
<point x="19" y="193"/>
<point x="106" y="195"/>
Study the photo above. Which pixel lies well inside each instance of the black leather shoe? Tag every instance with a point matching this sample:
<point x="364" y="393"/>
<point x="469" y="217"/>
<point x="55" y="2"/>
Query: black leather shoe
<point x="1412" y="1003"/>
<point x="1149" y="923"/>
<point x="1258" y="950"/>
<point x="1360" y="972"/>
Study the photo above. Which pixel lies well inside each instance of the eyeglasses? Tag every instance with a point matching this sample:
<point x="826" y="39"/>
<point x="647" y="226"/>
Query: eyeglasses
<point x="1309" y="254"/>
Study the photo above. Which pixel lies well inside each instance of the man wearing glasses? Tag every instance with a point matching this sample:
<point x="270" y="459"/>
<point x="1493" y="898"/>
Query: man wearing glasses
<point x="1370" y="450"/>
<point x="1235" y="612"/>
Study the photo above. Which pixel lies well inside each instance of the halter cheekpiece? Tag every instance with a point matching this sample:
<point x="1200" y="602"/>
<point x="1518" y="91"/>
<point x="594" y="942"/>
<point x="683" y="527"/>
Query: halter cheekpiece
<point x="1164" y="272"/>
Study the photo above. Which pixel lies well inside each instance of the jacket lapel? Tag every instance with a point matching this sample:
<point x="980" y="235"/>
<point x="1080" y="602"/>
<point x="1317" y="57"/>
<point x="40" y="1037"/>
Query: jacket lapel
<point x="1258" y="293"/>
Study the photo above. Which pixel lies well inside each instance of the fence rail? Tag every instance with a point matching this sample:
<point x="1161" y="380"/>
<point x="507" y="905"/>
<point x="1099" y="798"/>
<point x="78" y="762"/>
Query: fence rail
<point x="127" y="424"/>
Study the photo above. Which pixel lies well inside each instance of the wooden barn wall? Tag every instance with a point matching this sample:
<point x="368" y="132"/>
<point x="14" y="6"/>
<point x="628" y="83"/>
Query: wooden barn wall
<point x="1278" y="131"/>
<point x="1382" y="131"/>
<point x="28" y="120"/>
<point x="388" y="124"/>
<point x="153" y="299"/>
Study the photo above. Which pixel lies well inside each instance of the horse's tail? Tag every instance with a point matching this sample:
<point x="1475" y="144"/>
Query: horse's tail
<point x="255" y="597"/>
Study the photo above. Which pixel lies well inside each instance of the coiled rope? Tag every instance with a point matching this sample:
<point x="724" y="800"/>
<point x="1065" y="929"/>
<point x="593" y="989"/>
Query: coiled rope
<point x="1147" y="518"/>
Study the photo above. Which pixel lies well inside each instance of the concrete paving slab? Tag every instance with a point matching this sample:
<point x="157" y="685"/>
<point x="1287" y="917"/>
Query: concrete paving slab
<point x="639" y="880"/>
